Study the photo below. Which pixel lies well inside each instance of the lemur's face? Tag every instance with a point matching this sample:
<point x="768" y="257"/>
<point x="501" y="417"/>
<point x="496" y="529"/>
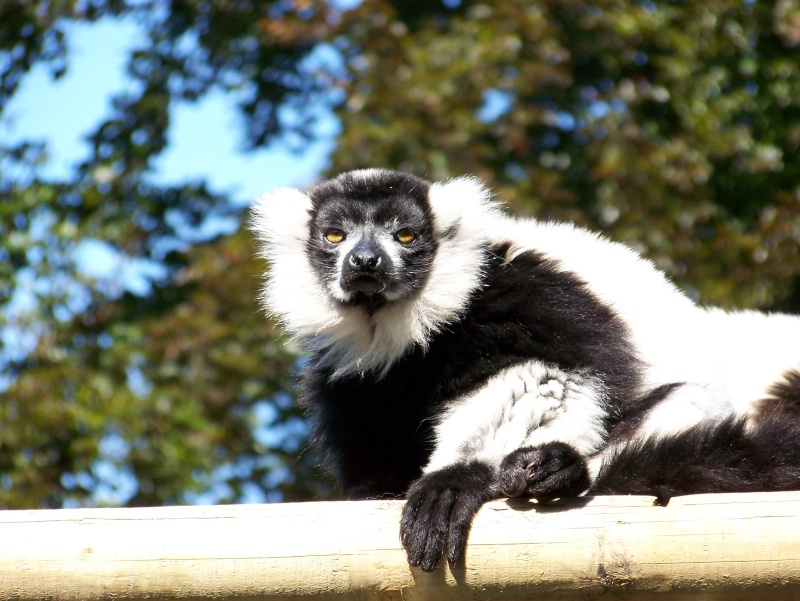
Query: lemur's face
<point x="371" y="244"/>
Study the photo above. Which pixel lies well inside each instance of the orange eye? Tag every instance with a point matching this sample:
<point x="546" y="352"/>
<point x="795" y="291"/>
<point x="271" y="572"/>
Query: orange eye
<point x="334" y="235"/>
<point x="405" y="236"/>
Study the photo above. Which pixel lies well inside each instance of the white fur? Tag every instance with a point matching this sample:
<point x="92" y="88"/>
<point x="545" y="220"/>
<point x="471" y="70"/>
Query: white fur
<point x="293" y="292"/>
<point x="525" y="405"/>
<point x="751" y="351"/>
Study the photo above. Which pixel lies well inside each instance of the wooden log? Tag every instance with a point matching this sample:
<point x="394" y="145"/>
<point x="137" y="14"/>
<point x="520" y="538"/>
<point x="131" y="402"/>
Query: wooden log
<point x="735" y="546"/>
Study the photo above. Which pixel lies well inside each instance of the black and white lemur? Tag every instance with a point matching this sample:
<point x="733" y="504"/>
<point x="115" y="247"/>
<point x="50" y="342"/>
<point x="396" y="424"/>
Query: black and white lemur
<point x="459" y="355"/>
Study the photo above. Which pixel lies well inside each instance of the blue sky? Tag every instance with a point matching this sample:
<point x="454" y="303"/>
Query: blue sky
<point x="205" y="142"/>
<point x="205" y="137"/>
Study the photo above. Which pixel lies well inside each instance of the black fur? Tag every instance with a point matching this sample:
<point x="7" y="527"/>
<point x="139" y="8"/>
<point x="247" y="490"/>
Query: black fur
<point x="706" y="459"/>
<point x="382" y="185"/>
<point x="376" y="431"/>
<point x="785" y="395"/>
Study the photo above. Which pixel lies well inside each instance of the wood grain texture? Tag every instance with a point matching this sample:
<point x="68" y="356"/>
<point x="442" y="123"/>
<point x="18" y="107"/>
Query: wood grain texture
<point x="734" y="546"/>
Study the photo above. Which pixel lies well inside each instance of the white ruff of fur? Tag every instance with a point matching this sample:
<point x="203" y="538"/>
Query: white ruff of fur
<point x="355" y="343"/>
<point x="293" y="293"/>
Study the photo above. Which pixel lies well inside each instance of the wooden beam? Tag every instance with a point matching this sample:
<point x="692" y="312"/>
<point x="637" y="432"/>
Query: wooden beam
<point x="736" y="546"/>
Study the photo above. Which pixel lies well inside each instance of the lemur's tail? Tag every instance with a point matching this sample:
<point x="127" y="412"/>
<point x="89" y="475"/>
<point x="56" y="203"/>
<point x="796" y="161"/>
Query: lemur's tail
<point x="727" y="457"/>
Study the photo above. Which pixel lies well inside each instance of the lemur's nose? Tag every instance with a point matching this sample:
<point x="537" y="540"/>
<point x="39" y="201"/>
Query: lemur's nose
<point x="365" y="256"/>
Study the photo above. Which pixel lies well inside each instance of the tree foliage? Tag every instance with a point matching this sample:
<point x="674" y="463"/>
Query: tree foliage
<point x="171" y="387"/>
<point x="670" y="125"/>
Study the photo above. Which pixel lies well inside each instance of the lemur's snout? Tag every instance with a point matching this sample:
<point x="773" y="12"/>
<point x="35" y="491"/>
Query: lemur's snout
<point x="364" y="268"/>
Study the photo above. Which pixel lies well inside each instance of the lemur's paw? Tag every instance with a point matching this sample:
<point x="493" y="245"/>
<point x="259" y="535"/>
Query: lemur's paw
<point x="439" y="511"/>
<point x="547" y="472"/>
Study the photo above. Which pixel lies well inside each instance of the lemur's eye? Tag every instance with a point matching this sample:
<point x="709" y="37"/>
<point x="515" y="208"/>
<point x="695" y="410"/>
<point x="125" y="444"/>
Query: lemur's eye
<point x="334" y="235"/>
<point x="405" y="236"/>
